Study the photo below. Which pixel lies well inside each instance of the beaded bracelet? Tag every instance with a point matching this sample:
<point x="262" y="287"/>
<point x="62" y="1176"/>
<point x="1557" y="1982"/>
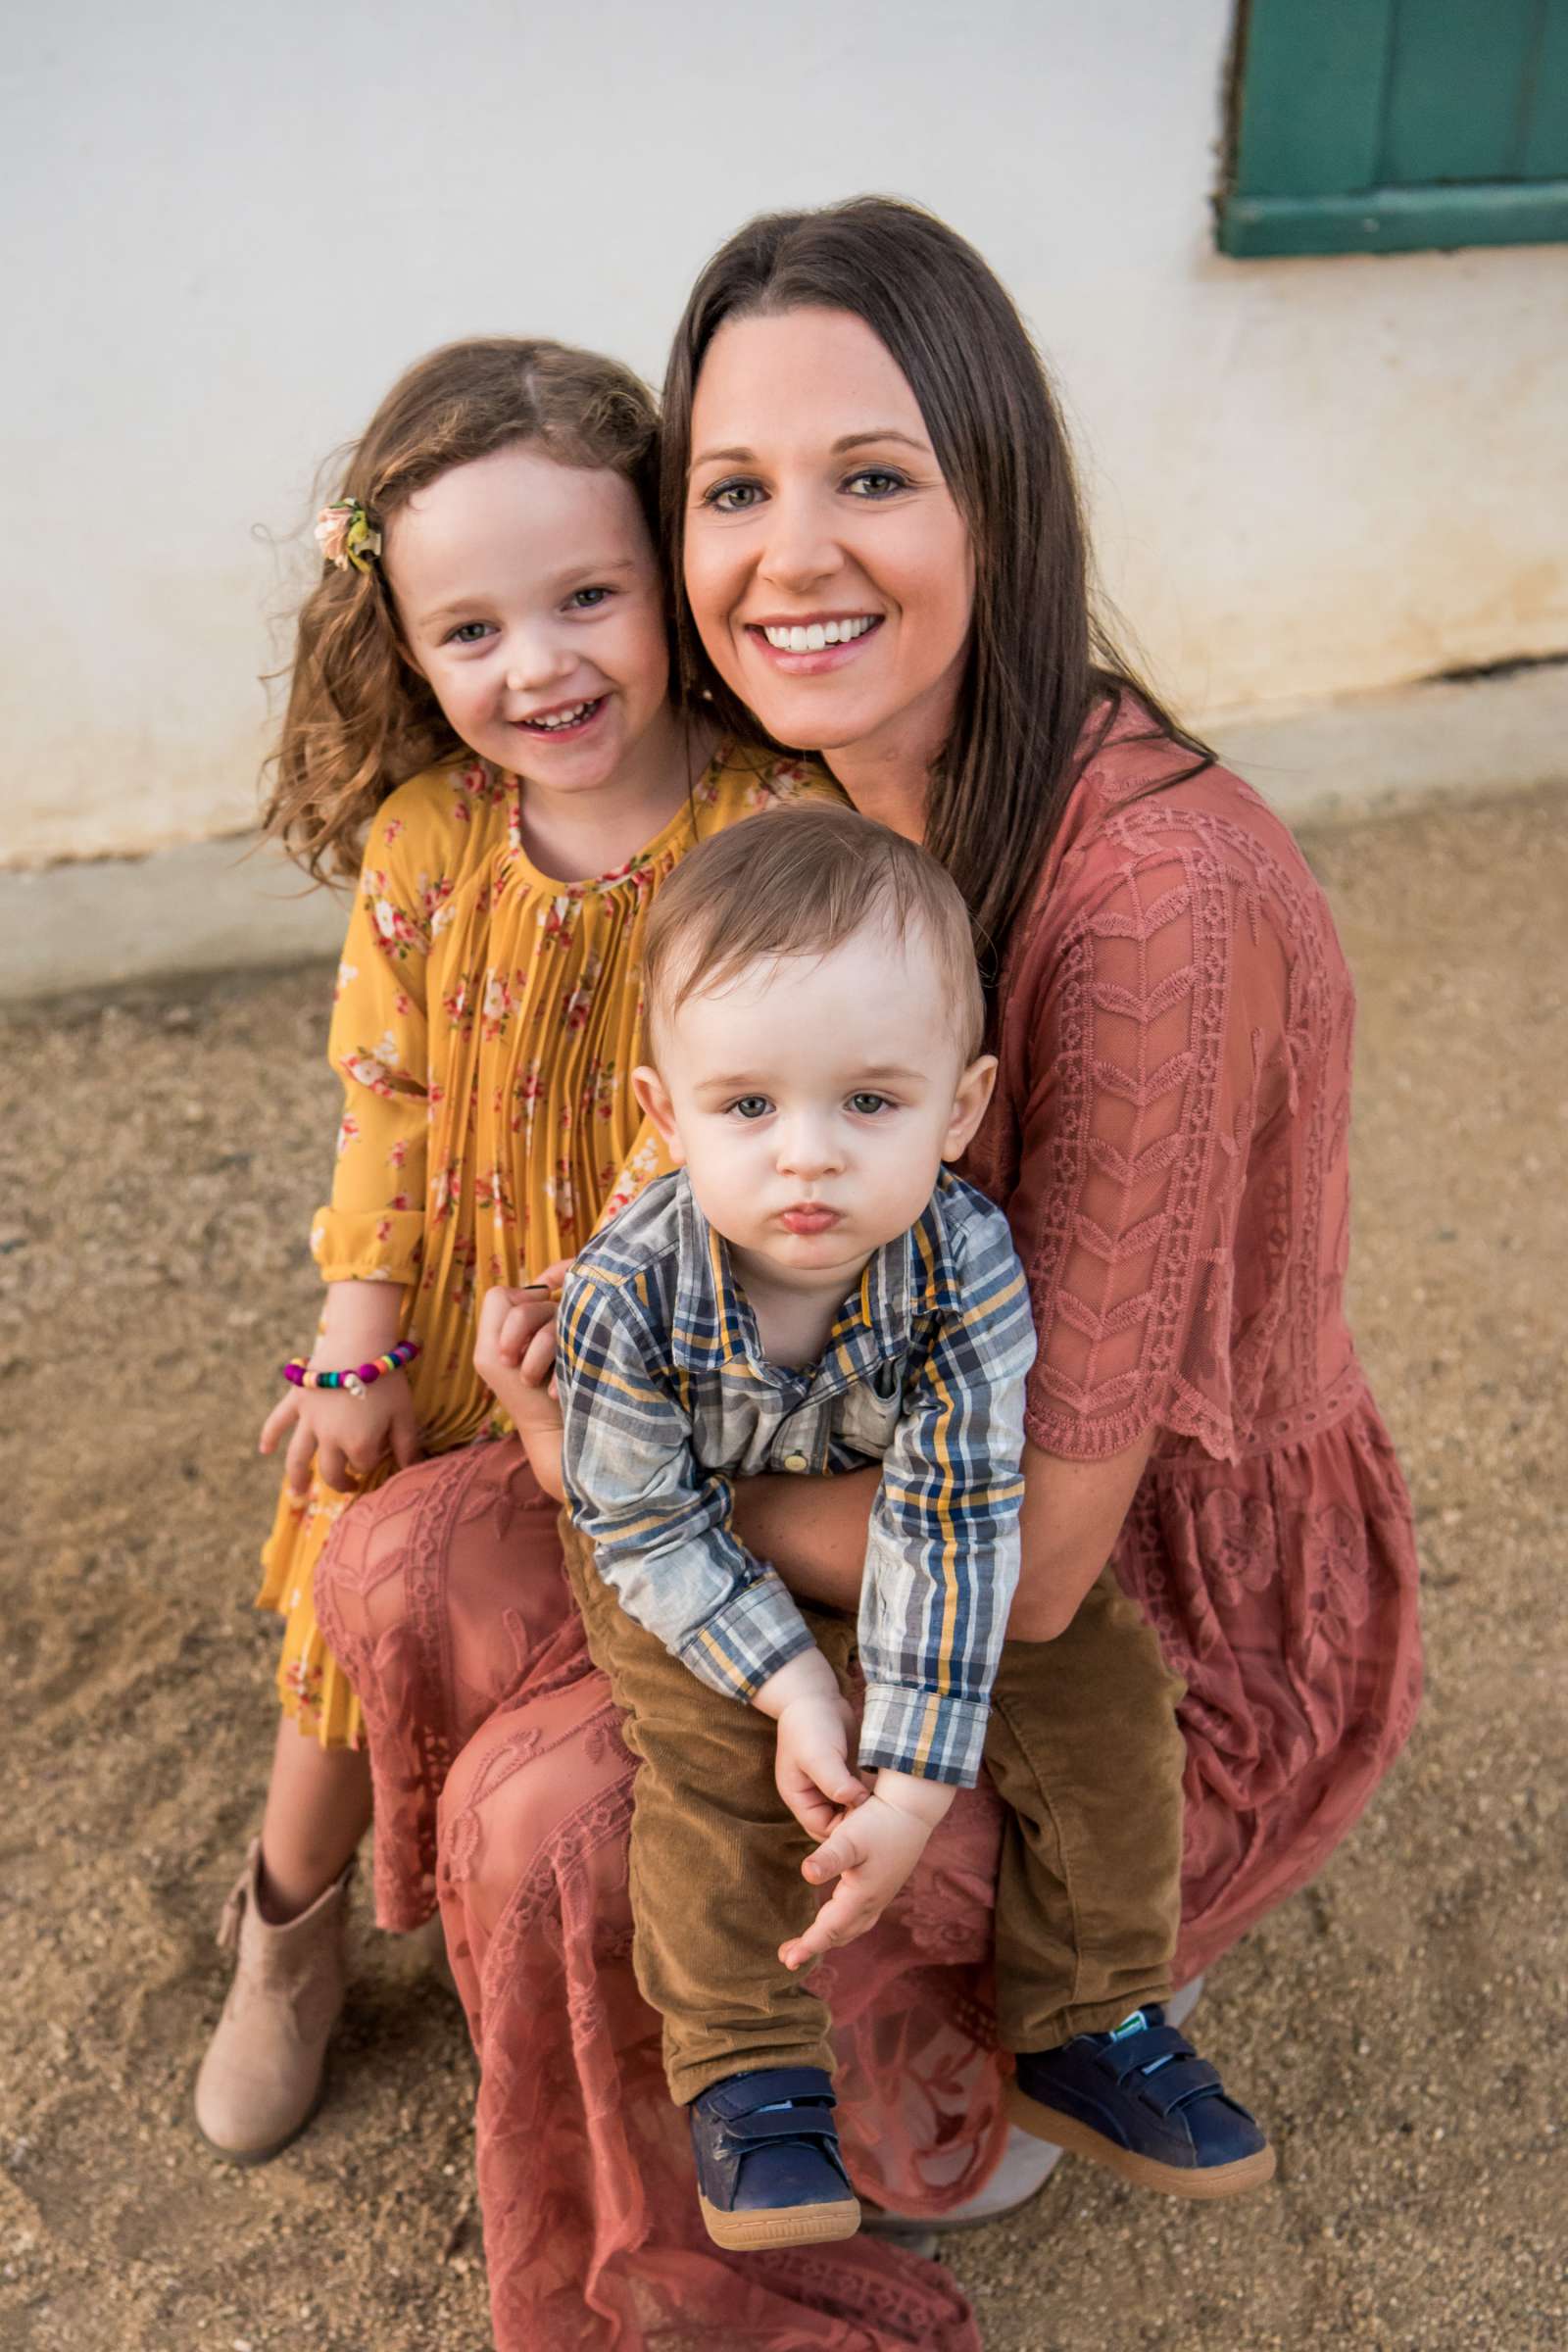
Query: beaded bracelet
<point x="354" y="1383"/>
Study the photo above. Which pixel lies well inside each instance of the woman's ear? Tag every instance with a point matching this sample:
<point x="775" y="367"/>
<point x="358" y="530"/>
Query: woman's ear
<point x="654" y="1098"/>
<point x="970" y="1097"/>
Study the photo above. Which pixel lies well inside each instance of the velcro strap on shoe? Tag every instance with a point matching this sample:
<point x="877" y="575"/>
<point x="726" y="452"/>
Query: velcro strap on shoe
<point x="1177" y="2085"/>
<point x="803" y="2124"/>
<point x="774" y="2087"/>
<point x="1139" y="2051"/>
<point x="790" y="2128"/>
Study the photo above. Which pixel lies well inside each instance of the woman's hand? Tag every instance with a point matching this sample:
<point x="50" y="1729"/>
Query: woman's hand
<point x="515" y="1356"/>
<point x="344" y="1435"/>
<point x="514" y="1349"/>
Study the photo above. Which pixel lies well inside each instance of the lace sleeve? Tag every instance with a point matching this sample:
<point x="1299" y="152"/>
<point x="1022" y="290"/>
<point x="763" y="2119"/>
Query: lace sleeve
<point x="1158" y="1031"/>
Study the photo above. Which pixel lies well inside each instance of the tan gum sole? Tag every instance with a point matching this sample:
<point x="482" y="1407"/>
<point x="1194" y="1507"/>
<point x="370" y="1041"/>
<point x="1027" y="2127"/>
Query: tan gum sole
<point x="797" y="2225"/>
<point x="1166" y="2179"/>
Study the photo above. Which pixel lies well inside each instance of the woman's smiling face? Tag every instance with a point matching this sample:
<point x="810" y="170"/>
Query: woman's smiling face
<point x="829" y="572"/>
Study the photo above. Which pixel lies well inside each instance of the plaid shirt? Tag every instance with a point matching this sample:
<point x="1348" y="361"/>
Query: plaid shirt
<point x="669" y="1398"/>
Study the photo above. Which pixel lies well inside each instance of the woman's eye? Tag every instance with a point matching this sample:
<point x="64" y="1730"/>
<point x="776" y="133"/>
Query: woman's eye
<point x="732" y="498"/>
<point x="751" y="1106"/>
<point x="866" y="1106"/>
<point x="467" y="632"/>
<point x="875" y="481"/>
<point x="587" y="600"/>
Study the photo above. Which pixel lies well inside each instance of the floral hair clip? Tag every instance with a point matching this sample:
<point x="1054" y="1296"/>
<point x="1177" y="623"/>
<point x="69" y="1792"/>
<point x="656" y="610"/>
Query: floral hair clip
<point x="346" y="535"/>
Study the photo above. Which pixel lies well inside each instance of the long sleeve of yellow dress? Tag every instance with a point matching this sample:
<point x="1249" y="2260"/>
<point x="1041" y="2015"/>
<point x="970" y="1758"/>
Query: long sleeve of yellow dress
<point x="379" y="1045"/>
<point x="373" y="1228"/>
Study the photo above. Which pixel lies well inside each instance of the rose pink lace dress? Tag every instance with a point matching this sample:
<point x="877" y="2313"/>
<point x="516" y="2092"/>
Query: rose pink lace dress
<point x="1169" y="1138"/>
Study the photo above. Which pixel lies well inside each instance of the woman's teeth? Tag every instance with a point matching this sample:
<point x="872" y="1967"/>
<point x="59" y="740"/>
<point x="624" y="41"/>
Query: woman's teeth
<point x="563" y="719"/>
<point x="819" y="634"/>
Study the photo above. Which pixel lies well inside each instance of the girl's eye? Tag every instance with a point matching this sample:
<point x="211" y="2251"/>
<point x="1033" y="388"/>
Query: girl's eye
<point x="867" y="1105"/>
<point x="732" y="498"/>
<point x="587" y="600"/>
<point x="467" y="632"/>
<point x="875" y="481"/>
<point x="752" y="1106"/>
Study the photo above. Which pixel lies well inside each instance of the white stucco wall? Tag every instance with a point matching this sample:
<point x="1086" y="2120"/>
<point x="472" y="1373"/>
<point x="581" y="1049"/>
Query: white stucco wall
<point x="233" y="227"/>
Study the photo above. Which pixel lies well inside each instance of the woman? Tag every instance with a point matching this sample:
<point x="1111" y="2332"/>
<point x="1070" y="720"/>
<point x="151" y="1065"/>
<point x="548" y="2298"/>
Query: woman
<point x="859" y="433"/>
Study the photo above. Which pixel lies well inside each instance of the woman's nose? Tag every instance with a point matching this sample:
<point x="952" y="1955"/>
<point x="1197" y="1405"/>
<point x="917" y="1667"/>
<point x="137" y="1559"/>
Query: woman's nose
<point x="800" y="550"/>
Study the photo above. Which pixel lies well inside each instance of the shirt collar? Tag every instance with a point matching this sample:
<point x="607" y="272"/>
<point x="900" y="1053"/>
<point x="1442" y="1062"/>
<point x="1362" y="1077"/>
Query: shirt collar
<point x="912" y="1275"/>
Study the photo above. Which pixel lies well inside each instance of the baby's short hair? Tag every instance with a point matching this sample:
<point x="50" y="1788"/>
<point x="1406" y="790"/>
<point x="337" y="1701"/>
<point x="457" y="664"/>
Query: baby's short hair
<point x="802" y="881"/>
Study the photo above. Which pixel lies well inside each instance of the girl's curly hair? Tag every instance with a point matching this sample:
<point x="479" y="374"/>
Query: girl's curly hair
<point x="360" y="719"/>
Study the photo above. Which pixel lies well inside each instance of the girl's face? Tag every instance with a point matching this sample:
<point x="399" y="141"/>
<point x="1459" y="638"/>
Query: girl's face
<point x="530" y="597"/>
<point x="829" y="572"/>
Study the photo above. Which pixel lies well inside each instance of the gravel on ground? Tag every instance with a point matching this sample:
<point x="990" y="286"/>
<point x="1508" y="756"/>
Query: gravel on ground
<point x="1398" y="2022"/>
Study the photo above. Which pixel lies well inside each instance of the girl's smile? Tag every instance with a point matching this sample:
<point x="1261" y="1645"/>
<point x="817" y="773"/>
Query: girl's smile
<point x="564" y="720"/>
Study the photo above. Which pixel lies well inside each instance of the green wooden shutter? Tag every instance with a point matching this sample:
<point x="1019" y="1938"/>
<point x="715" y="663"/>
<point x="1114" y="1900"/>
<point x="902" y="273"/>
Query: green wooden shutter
<point x="1385" y="126"/>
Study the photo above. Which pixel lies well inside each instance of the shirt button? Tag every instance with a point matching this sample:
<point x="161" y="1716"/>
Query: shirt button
<point x="796" y="1461"/>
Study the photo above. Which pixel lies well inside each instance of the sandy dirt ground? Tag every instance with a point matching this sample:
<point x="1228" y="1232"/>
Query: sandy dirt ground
<point x="1399" y="2024"/>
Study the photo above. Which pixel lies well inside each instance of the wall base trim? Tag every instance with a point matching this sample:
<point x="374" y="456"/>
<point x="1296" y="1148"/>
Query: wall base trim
<point x="211" y="906"/>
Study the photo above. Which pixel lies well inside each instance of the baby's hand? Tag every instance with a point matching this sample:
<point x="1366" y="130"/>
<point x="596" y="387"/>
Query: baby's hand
<point x="344" y="1435"/>
<point x="815" y="1725"/>
<point x="871" y="1852"/>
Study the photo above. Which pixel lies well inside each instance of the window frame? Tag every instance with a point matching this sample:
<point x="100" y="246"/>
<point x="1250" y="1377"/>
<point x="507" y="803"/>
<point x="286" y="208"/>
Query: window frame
<point x="1309" y="86"/>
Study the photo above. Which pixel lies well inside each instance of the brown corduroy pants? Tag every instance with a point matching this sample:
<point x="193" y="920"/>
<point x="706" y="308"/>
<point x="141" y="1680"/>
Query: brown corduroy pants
<point x="1084" y="1751"/>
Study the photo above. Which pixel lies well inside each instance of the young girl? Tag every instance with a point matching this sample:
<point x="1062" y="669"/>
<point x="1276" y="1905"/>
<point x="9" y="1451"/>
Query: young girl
<point x="482" y="681"/>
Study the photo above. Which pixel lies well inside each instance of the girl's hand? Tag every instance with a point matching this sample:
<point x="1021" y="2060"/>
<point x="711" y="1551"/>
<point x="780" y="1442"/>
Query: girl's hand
<point x="345" y="1437"/>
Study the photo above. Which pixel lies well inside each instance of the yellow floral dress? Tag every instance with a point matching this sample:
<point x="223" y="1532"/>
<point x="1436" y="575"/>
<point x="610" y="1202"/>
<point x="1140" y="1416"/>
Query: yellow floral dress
<point x="485" y="1025"/>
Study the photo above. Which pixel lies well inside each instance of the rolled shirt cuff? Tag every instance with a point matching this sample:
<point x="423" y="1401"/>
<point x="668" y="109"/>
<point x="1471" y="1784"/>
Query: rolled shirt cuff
<point x="754" y="1632"/>
<point x="368" y="1244"/>
<point x="928" y="1733"/>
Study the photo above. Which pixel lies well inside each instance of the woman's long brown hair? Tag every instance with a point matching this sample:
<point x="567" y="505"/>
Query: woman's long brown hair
<point x="1040" y="667"/>
<point x="360" y="719"/>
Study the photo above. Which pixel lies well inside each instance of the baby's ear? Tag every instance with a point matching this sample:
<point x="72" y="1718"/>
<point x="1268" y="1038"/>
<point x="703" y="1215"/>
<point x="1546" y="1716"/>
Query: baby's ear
<point x="653" y="1096"/>
<point x="972" y="1093"/>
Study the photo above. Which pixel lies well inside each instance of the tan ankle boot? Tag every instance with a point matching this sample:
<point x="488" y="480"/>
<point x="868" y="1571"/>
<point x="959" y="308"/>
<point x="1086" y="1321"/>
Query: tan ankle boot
<point x="261" y="2081"/>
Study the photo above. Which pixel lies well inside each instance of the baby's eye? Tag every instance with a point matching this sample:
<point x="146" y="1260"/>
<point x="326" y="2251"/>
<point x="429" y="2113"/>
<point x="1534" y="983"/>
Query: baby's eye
<point x="467" y="632"/>
<point x="875" y="481"/>
<point x="751" y="1106"/>
<point x="587" y="600"/>
<point x="733" y="498"/>
<point x="867" y="1105"/>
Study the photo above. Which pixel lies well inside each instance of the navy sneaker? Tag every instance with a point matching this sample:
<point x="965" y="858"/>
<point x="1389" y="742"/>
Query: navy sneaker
<point x="1141" y="2101"/>
<point x="769" y="2167"/>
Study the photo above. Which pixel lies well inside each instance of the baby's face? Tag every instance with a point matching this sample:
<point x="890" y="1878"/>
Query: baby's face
<point x="813" y="1102"/>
